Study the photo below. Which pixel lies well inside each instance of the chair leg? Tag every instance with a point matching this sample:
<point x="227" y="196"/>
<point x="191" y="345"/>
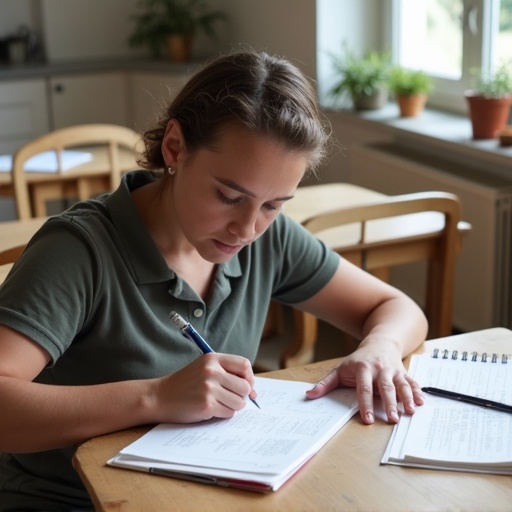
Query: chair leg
<point x="274" y="321"/>
<point x="384" y="273"/>
<point x="439" y="300"/>
<point x="302" y="347"/>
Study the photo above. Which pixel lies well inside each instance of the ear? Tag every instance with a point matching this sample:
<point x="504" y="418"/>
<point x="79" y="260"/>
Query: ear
<point x="172" y="144"/>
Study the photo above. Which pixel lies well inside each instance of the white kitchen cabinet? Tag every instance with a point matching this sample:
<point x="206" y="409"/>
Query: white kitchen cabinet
<point x="23" y="112"/>
<point x="81" y="98"/>
<point x="150" y="93"/>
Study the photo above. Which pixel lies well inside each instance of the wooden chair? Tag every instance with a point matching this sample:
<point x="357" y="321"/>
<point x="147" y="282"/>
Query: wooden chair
<point x="112" y="151"/>
<point x="384" y="238"/>
<point x="7" y="259"/>
<point x="8" y="256"/>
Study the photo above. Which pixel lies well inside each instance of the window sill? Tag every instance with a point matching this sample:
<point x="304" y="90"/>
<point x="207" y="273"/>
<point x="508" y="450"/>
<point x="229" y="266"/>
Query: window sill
<point x="435" y="130"/>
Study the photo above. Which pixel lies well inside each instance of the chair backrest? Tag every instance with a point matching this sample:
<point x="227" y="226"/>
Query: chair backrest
<point x="10" y="255"/>
<point x="439" y="300"/>
<point x="393" y="206"/>
<point x="113" y="138"/>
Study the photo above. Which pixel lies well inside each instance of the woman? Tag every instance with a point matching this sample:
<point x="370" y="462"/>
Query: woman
<point x="86" y="345"/>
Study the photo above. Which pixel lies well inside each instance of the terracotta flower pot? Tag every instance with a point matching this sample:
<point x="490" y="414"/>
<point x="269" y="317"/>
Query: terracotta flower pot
<point x="411" y="105"/>
<point x="179" y="47"/>
<point x="488" y="115"/>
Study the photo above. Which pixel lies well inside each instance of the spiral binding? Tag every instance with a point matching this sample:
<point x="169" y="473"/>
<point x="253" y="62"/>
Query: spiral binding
<point x="473" y="357"/>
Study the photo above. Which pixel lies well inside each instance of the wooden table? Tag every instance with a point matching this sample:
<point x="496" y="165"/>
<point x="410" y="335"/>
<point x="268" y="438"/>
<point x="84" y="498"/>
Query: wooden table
<point x="18" y="232"/>
<point x="91" y="177"/>
<point x="345" y="475"/>
<point x="4" y="270"/>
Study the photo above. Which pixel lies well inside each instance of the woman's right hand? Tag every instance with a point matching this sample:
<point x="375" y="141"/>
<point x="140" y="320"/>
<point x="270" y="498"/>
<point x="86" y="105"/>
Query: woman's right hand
<point x="213" y="385"/>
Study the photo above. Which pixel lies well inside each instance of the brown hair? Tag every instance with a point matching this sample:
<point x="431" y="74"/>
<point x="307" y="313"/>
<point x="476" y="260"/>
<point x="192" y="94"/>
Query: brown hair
<point x="266" y="94"/>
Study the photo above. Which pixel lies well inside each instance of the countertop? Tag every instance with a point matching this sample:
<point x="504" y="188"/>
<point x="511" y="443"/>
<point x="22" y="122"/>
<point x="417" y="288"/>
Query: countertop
<point x="45" y="69"/>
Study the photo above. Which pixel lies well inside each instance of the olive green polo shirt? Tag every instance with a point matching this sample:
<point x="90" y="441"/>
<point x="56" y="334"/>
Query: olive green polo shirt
<point x="93" y="290"/>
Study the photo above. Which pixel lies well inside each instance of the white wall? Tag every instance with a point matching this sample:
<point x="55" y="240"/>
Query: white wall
<point x="14" y="13"/>
<point x="356" y="23"/>
<point x="304" y="31"/>
<point x="94" y="29"/>
<point x="285" y="27"/>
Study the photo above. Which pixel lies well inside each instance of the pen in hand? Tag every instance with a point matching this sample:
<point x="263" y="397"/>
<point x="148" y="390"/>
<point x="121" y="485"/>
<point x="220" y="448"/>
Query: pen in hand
<point x="482" y="402"/>
<point x="190" y="333"/>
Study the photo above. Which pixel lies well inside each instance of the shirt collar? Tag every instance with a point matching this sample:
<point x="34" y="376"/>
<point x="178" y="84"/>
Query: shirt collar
<point x="145" y="262"/>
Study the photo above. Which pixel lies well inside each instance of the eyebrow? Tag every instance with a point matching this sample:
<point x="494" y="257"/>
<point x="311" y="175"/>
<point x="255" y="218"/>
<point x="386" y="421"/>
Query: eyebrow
<point x="243" y="190"/>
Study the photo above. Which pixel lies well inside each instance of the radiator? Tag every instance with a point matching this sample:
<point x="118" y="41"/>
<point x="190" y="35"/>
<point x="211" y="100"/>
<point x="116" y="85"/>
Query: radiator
<point x="483" y="281"/>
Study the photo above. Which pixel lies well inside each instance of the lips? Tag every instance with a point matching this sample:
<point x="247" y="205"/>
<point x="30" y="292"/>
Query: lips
<point x="227" y="249"/>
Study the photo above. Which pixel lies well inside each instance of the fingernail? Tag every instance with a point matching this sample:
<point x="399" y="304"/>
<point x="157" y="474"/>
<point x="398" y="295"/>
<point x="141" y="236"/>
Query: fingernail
<point x="369" y="417"/>
<point x="394" y="415"/>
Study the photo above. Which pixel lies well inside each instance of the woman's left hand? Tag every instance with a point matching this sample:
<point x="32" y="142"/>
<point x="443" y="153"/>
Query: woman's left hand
<point x="374" y="369"/>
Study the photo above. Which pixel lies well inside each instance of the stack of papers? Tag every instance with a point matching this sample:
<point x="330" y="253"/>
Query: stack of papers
<point x="257" y="449"/>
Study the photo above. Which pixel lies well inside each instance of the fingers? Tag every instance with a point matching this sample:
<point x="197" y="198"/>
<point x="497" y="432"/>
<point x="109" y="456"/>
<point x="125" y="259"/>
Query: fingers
<point x="364" y="387"/>
<point x="411" y="395"/>
<point x="239" y="366"/>
<point x="213" y="385"/>
<point x="398" y="388"/>
<point x="393" y="386"/>
<point x="328" y="383"/>
<point x="388" y="395"/>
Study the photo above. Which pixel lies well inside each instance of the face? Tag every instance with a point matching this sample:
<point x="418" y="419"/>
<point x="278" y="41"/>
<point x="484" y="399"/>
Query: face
<point x="224" y="199"/>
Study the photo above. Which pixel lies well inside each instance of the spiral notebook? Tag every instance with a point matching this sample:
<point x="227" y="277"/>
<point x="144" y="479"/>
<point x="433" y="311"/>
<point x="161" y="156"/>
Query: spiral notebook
<point x="450" y="435"/>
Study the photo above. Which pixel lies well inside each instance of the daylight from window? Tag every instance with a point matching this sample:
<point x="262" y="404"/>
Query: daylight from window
<point x="431" y="36"/>
<point x="443" y="37"/>
<point x="503" y="44"/>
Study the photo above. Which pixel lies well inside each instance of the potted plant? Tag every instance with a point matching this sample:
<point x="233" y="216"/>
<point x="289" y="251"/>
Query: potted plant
<point x="410" y="88"/>
<point x="489" y="102"/>
<point x="172" y="24"/>
<point x="363" y="79"/>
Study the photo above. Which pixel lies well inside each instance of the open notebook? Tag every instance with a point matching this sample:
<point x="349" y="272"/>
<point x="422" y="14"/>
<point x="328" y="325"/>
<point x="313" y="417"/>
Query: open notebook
<point x="452" y="435"/>
<point x="257" y="449"/>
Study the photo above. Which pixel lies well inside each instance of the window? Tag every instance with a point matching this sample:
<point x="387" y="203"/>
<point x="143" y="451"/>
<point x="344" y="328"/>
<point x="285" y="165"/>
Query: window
<point x="448" y="38"/>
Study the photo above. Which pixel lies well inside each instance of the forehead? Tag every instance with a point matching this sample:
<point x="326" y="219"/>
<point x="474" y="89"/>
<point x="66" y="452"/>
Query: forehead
<point x="256" y="162"/>
<point x="238" y="141"/>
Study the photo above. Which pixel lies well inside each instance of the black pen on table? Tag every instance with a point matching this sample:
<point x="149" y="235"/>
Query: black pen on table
<point x="482" y="402"/>
<point x="190" y="333"/>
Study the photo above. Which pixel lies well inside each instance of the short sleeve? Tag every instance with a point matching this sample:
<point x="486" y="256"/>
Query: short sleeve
<point x="306" y="263"/>
<point x="50" y="291"/>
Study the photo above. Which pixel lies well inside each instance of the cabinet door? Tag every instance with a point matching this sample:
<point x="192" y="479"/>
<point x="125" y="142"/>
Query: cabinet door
<point x="23" y="112"/>
<point x="89" y="98"/>
<point x="150" y="94"/>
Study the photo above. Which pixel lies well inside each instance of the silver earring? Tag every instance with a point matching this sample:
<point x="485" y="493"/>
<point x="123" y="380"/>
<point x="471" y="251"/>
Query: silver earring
<point x="171" y="171"/>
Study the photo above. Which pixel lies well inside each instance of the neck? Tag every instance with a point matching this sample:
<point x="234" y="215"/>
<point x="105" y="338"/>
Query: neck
<point x="178" y="253"/>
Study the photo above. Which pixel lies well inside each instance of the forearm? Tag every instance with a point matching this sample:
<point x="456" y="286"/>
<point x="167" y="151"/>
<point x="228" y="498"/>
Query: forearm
<point x="37" y="417"/>
<point x="398" y="321"/>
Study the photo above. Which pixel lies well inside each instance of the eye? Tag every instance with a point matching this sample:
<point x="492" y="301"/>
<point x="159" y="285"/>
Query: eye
<point x="271" y="207"/>
<point x="226" y="199"/>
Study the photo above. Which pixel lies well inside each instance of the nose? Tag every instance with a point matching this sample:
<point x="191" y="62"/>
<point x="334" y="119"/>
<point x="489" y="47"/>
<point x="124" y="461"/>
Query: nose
<point x="244" y="225"/>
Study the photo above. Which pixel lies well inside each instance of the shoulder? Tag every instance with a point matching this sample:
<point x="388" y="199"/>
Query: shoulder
<point x="288" y="237"/>
<point x="284" y="229"/>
